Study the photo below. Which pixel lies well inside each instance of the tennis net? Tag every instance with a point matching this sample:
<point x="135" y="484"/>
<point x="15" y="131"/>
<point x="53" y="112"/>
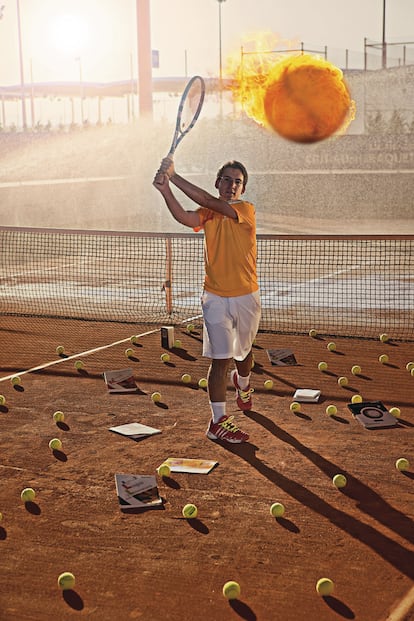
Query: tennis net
<point x="339" y="285"/>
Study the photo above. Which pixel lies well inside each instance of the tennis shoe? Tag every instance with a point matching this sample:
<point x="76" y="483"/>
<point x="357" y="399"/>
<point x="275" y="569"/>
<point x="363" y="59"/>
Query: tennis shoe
<point x="243" y="397"/>
<point x="226" y="430"/>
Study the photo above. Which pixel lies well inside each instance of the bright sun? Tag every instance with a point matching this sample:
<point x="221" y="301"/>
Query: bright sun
<point x="69" y="33"/>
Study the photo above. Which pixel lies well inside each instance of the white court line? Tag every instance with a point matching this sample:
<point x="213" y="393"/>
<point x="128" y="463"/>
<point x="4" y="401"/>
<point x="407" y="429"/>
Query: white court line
<point x="18" y="184"/>
<point x="403" y="607"/>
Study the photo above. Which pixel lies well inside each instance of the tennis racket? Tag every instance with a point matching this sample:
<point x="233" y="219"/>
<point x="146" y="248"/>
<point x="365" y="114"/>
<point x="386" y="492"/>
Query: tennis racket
<point x="188" y="111"/>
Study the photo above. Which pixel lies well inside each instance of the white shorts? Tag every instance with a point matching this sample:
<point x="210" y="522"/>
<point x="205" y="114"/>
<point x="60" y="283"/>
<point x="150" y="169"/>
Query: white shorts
<point x="230" y="324"/>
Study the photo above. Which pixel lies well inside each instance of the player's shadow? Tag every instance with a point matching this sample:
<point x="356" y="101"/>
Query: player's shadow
<point x="242" y="609"/>
<point x="73" y="599"/>
<point x="339" y="607"/>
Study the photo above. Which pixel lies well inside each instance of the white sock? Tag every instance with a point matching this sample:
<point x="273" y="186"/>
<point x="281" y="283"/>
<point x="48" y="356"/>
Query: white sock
<point x="243" y="382"/>
<point x="218" y="409"/>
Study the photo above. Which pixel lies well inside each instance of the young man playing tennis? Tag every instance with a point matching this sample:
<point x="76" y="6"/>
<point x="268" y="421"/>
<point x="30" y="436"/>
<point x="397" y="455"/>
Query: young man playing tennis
<point x="230" y="300"/>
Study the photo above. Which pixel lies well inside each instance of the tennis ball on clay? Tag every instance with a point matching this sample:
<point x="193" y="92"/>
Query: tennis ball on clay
<point x="177" y="343"/>
<point x="2" y="399"/>
<point x="268" y="384"/>
<point x="155" y="397"/>
<point x="203" y="383"/>
<point x="384" y="338"/>
<point x="331" y="346"/>
<point x="277" y="509"/>
<point x="253" y="362"/>
<point x="339" y="480"/>
<point x="323" y="366"/>
<point x="396" y="412"/>
<point x="164" y="470"/>
<point x="16" y="380"/>
<point x="133" y="339"/>
<point x="1" y="516"/>
<point x="28" y="494"/>
<point x="409" y="366"/>
<point x="78" y="365"/>
<point x="402" y="464"/>
<point x="55" y="444"/>
<point x="186" y="378"/>
<point x="58" y="416"/>
<point x="383" y="358"/>
<point x="190" y="511"/>
<point x="313" y="333"/>
<point x="343" y="381"/>
<point x="331" y="410"/>
<point x="129" y="352"/>
<point x="60" y="350"/>
<point x="412" y="372"/>
<point x="295" y="406"/>
<point x="324" y="587"/>
<point x="231" y="590"/>
<point x="165" y="357"/>
<point x="356" y="369"/>
<point x="190" y="327"/>
<point x="66" y="581"/>
<point x="356" y="399"/>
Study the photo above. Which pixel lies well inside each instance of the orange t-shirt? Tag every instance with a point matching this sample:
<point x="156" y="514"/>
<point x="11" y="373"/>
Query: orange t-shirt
<point x="230" y="250"/>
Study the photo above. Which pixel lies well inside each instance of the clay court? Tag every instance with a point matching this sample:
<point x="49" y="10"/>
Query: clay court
<point x="155" y="564"/>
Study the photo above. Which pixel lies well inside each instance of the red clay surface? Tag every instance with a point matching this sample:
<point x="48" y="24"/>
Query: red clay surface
<point x="156" y="565"/>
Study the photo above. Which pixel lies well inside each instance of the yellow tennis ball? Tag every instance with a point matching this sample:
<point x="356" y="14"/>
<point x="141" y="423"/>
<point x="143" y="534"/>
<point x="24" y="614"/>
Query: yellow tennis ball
<point x="412" y="372"/>
<point x="129" y="352"/>
<point x="186" y="378"/>
<point x="384" y="338"/>
<point x="177" y="343"/>
<point x="409" y="366"/>
<point x="190" y="511"/>
<point x="313" y="333"/>
<point x="339" y="480"/>
<point x="58" y="416"/>
<point x="16" y="380"/>
<point x="231" y="590"/>
<point x="155" y="397"/>
<point x="268" y="384"/>
<point x="356" y="369"/>
<point x="190" y="327"/>
<point x="78" y="365"/>
<point x="164" y="470"/>
<point x="396" y="412"/>
<point x="2" y="399"/>
<point x="133" y="339"/>
<point x="331" y="410"/>
<point x="66" y="581"/>
<point x="28" y="494"/>
<point x="295" y="406"/>
<point x="343" y="381"/>
<point x="402" y="464"/>
<point x="356" y="399"/>
<point x="331" y="346"/>
<point x="324" y="587"/>
<point x="1" y="516"/>
<point x="55" y="444"/>
<point x="383" y="358"/>
<point x="277" y="509"/>
<point x="253" y="362"/>
<point x="306" y="99"/>
<point x="165" y="357"/>
<point x="60" y="350"/>
<point x="203" y="383"/>
<point x="323" y="366"/>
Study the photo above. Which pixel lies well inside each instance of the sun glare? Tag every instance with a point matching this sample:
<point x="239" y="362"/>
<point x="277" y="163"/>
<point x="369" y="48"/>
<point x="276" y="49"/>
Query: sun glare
<point x="68" y="33"/>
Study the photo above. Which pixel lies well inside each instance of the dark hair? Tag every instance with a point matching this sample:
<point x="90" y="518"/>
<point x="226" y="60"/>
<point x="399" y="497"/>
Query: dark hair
<point x="238" y="166"/>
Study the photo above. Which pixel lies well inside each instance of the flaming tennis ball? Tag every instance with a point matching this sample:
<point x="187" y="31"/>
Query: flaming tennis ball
<point x="58" y="417"/>
<point x="396" y="412"/>
<point x="384" y="338"/>
<point x="190" y="511"/>
<point x="356" y="399"/>
<point x="277" y="509"/>
<point x="177" y="343"/>
<point x="55" y="444"/>
<point x="409" y="366"/>
<point x="402" y="464"/>
<point x="383" y="358"/>
<point x="164" y="470"/>
<point x="268" y="384"/>
<point x="186" y="378"/>
<point x="324" y="587"/>
<point x="60" y="350"/>
<point x="231" y="590"/>
<point x="203" y="383"/>
<point x="307" y="99"/>
<point x="129" y="352"/>
<point x="331" y="346"/>
<point x="15" y="380"/>
<point x="295" y="406"/>
<point x="28" y="494"/>
<point x="313" y="333"/>
<point x="165" y="357"/>
<point x="78" y="365"/>
<point x="356" y="369"/>
<point x="190" y="327"/>
<point x="343" y="381"/>
<point x="339" y="480"/>
<point x="2" y="399"/>
<point x="331" y="410"/>
<point x="155" y="397"/>
<point x="322" y="366"/>
<point x="66" y="581"/>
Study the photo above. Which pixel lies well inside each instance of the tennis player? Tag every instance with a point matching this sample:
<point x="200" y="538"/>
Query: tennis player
<point x="230" y="300"/>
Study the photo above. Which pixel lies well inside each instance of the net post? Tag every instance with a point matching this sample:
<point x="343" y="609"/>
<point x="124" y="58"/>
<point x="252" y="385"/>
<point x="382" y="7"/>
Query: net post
<point x="168" y="275"/>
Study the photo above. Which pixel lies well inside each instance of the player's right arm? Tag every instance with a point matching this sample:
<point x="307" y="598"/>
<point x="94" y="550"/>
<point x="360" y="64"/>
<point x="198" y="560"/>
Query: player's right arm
<point x="188" y="218"/>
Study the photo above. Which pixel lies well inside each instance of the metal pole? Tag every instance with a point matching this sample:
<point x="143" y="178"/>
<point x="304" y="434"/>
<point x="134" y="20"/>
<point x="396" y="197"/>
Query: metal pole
<point x="384" y="44"/>
<point x="19" y="31"/>
<point x="220" y="49"/>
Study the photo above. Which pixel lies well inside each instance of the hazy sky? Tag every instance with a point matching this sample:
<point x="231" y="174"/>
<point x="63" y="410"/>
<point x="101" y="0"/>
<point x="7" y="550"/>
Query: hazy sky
<point x="102" y="33"/>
